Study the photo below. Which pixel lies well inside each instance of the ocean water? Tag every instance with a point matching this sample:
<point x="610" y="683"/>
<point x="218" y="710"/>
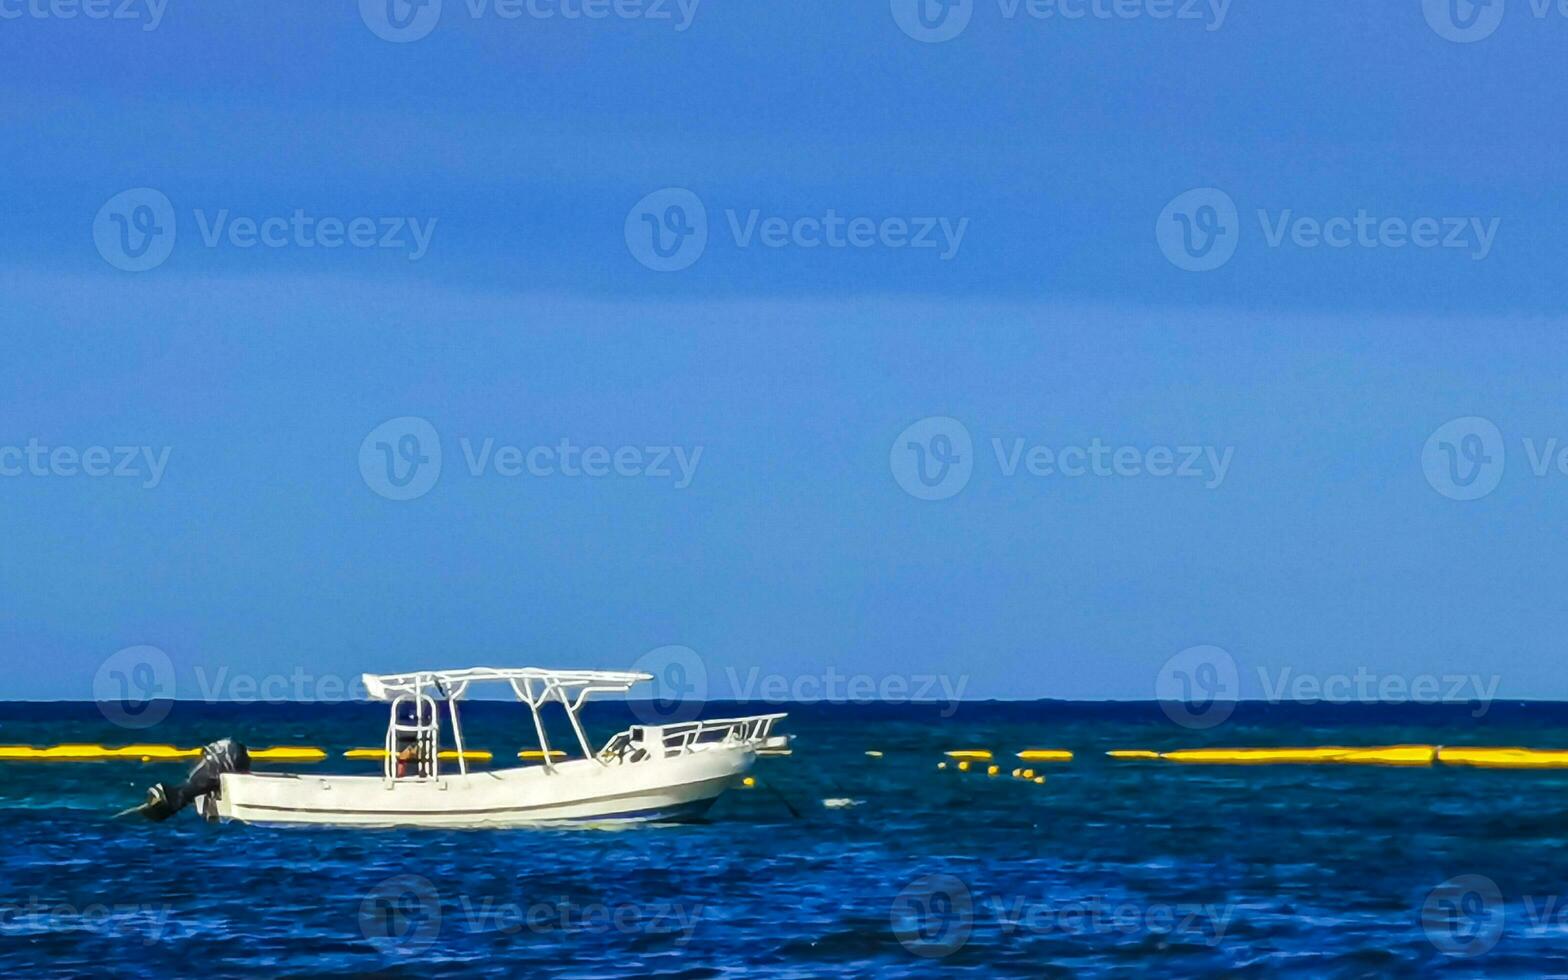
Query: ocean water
<point x="893" y="867"/>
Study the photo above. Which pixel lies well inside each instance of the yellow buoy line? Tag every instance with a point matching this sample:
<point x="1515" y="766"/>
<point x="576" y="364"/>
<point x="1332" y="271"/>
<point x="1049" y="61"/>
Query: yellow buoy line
<point x="447" y="755"/>
<point x="1482" y="757"/>
<point x="168" y="753"/>
<point x="144" y="753"/>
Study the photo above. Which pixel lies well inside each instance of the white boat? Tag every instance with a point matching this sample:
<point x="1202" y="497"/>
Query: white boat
<point x="646" y="773"/>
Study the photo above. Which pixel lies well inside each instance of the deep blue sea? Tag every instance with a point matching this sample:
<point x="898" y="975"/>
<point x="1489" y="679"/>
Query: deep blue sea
<point x="893" y="867"/>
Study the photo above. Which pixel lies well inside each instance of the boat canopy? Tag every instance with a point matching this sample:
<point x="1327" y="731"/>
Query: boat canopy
<point x="451" y="685"/>
<point x="534" y="687"/>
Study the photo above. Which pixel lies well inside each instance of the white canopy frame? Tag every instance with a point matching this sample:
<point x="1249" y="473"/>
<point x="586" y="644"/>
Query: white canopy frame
<point x="533" y="686"/>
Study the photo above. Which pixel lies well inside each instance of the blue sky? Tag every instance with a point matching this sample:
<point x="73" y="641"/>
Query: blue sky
<point x="526" y="149"/>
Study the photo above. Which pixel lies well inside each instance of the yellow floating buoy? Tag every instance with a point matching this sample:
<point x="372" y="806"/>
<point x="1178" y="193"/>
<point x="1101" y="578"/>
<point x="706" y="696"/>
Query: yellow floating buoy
<point x="963" y="766"/>
<point x="873" y="753"/>
<point x="1252" y="757"/>
<point x="941" y="765"/>
<point x="1132" y="754"/>
<point x="992" y="770"/>
<point x="79" y="752"/>
<point x="1503" y="758"/>
<point x="749" y="782"/>
<point x="288" y="754"/>
<point x="1028" y="773"/>
<point x="148" y="753"/>
<point x="447" y="755"/>
<point x="1016" y="772"/>
<point x="1045" y="755"/>
<point x="978" y="755"/>
<point x="1391" y="755"/>
<point x="1388" y="755"/>
<point x="1039" y="779"/>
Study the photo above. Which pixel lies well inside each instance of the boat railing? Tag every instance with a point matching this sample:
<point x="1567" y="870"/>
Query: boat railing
<point x="639" y="741"/>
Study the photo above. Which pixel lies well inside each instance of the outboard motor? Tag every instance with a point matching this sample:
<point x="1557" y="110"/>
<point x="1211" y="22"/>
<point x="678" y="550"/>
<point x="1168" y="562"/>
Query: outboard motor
<point x="164" y="800"/>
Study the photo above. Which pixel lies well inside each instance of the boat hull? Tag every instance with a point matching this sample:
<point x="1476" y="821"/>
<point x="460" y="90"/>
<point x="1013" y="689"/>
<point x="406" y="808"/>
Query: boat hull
<point x="581" y="791"/>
